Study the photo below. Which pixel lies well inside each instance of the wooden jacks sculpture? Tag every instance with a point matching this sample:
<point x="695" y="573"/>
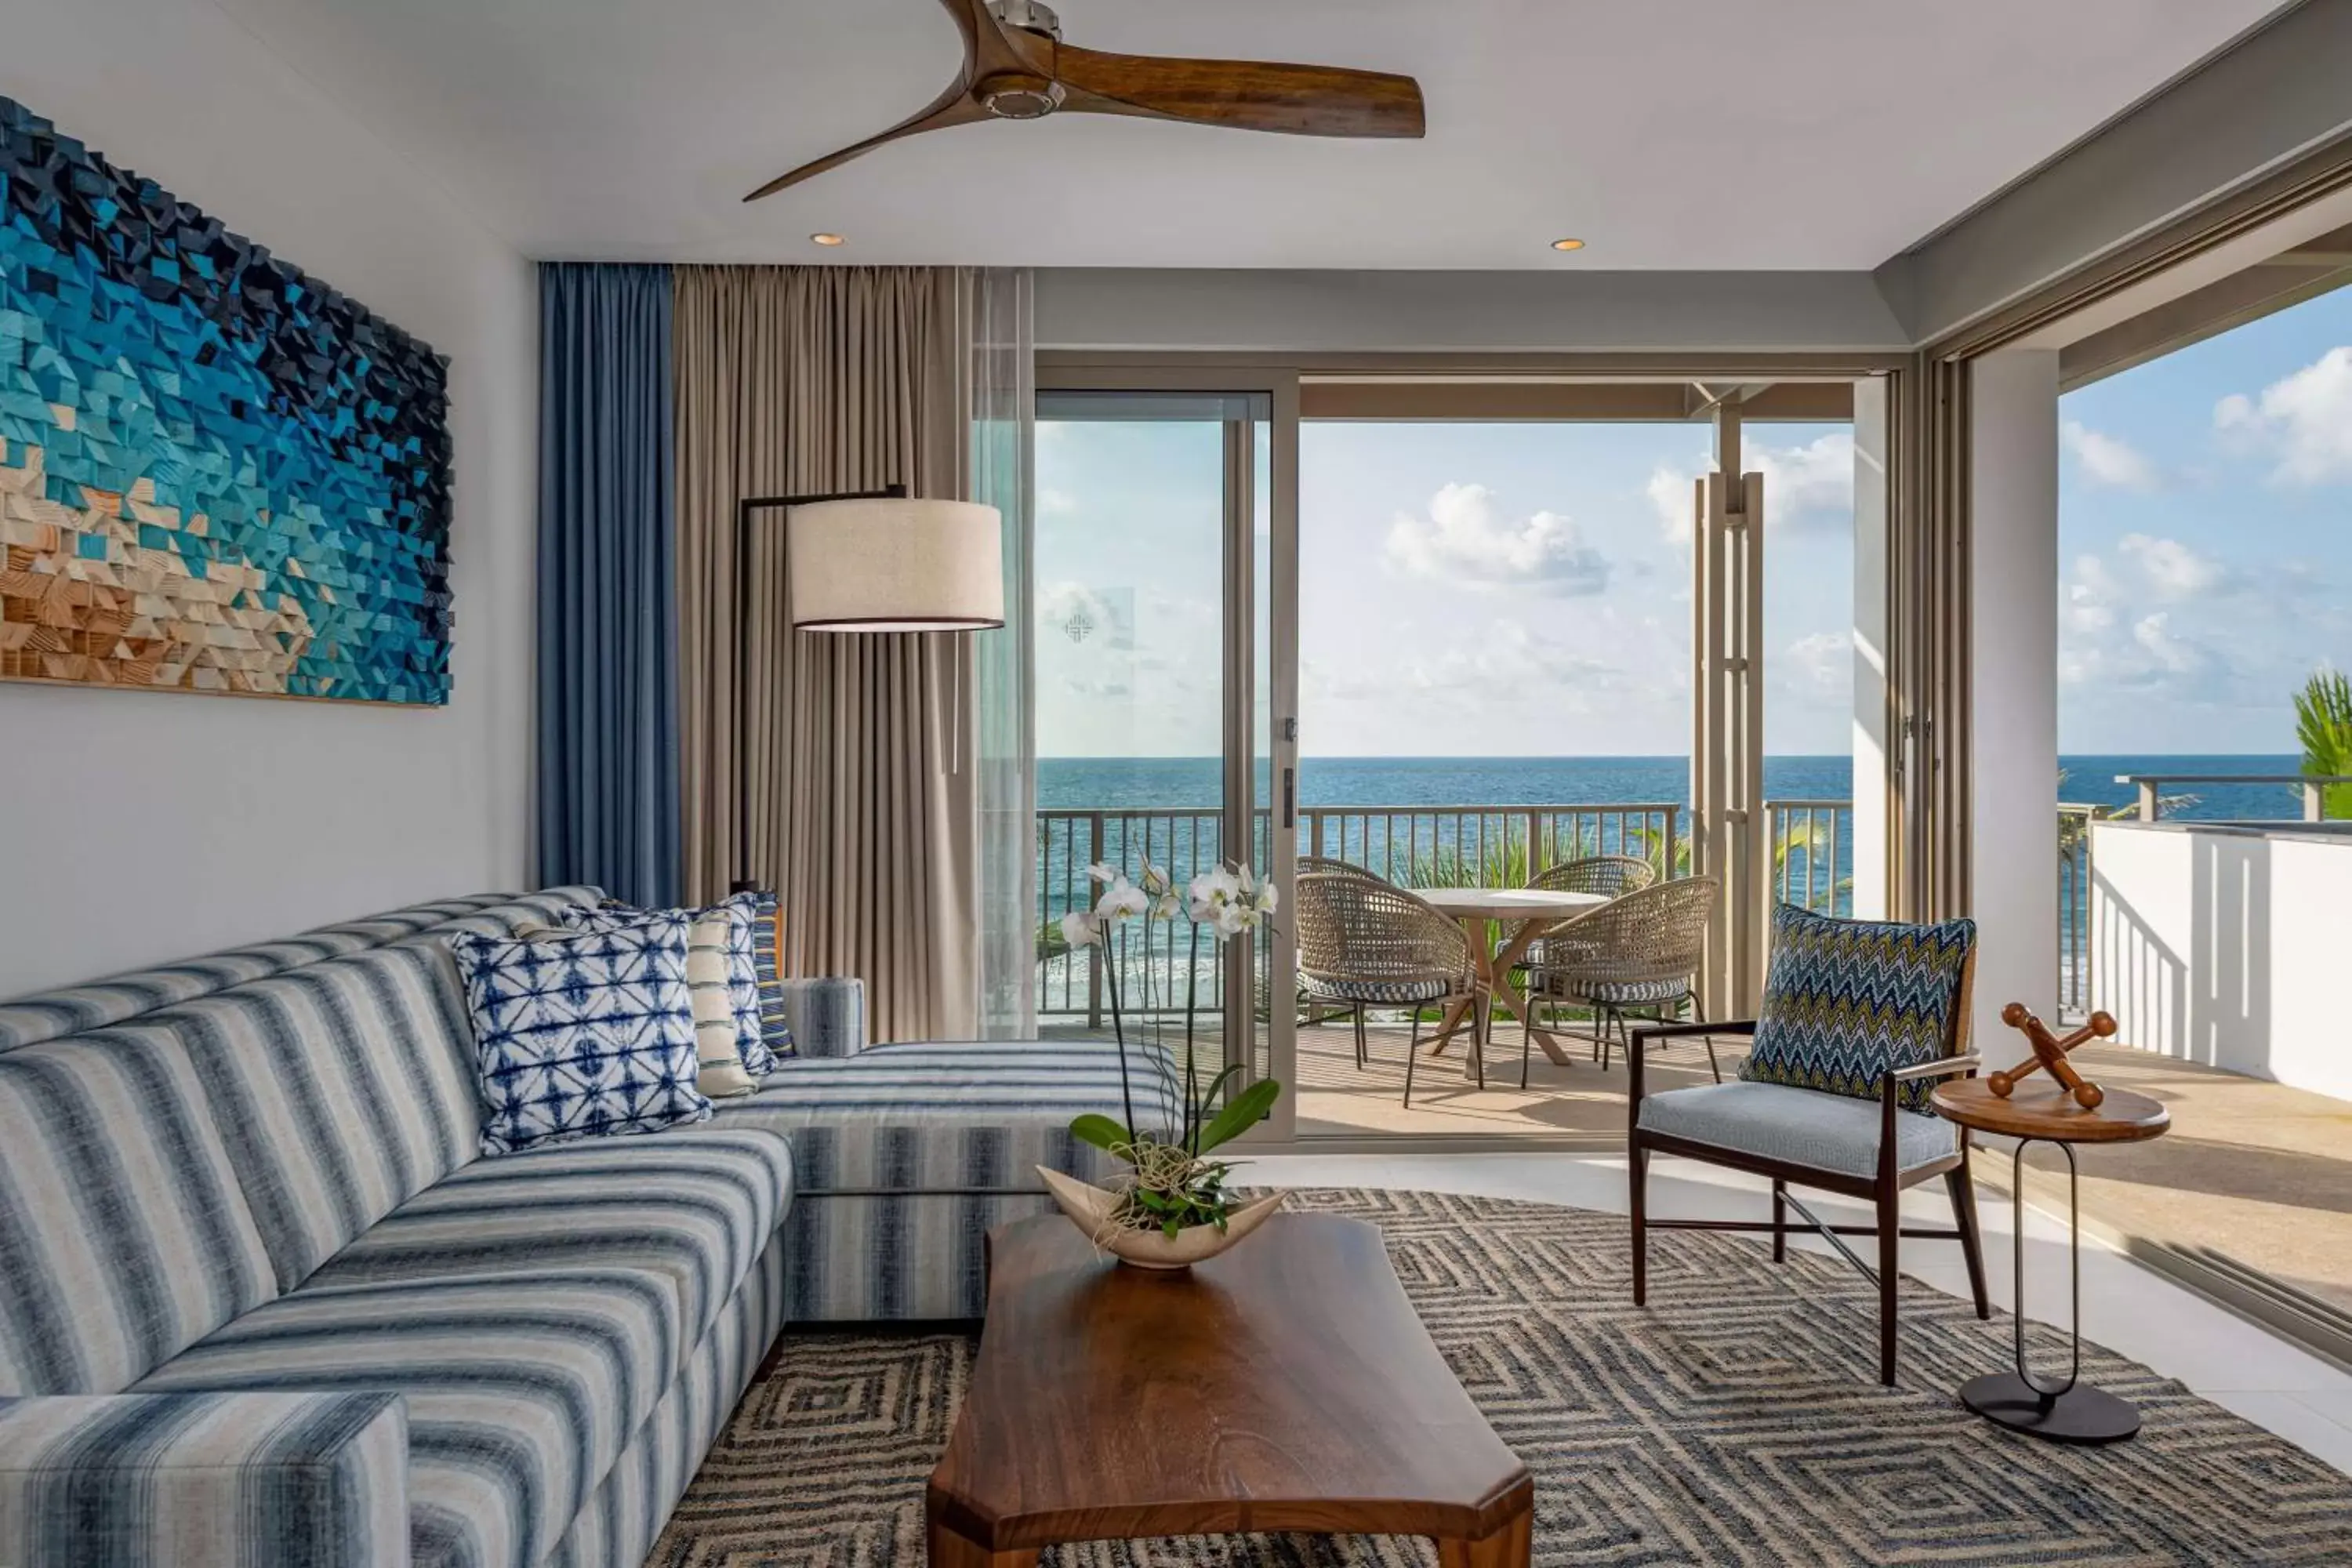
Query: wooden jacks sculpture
<point x="2049" y="1051"/>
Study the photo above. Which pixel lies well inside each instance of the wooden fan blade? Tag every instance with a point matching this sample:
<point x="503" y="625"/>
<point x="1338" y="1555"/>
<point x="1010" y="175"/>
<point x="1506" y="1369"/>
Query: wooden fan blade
<point x="953" y="107"/>
<point x="988" y="44"/>
<point x="1248" y="95"/>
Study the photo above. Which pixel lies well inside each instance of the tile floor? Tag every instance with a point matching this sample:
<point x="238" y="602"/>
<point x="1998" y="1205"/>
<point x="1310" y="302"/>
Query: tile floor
<point x="2126" y="1308"/>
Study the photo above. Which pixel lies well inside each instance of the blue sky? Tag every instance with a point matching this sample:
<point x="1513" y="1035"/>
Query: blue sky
<point x="2205" y="523"/>
<point x="1465" y="590"/>
<point x="1504" y="590"/>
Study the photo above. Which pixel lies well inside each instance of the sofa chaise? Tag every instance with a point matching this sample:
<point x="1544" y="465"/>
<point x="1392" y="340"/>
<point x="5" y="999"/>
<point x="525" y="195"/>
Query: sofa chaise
<point x="263" y="1302"/>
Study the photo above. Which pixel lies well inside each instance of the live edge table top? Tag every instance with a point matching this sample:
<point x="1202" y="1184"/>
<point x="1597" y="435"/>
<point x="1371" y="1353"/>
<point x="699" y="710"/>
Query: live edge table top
<point x="1287" y="1385"/>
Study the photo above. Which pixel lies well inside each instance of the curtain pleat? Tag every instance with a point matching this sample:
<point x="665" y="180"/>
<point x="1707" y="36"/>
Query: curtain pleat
<point x="1003" y="427"/>
<point x="607" y="733"/>
<point x="854" y="762"/>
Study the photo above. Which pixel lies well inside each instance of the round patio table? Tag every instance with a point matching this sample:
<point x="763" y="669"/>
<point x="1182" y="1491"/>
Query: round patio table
<point x="1519" y="916"/>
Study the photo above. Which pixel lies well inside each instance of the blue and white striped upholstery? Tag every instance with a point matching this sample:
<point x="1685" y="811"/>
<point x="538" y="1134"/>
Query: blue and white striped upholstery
<point x="241" y="1197"/>
<point x="616" y="1526"/>
<point x="925" y="1117"/>
<point x="698" y="1204"/>
<point x="189" y="1480"/>
<point x="47" y="1015"/>
<point x="919" y="1258"/>
<point x="124" y="1235"/>
<point x="827" y="1016"/>
<point x="905" y="1156"/>
<point x="522" y="1390"/>
<point x="340" y="1089"/>
<point x="1373" y="992"/>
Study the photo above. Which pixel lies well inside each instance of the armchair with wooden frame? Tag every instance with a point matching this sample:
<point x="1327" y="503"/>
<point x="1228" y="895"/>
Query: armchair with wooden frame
<point x="1871" y="1149"/>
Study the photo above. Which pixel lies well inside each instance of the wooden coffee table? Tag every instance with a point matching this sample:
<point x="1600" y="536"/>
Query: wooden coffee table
<point x="1287" y="1385"/>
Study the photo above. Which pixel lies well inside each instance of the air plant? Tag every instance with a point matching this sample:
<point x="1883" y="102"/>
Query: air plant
<point x="1171" y="1184"/>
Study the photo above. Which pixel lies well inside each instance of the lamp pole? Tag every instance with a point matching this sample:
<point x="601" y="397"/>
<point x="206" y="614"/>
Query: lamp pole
<point x="746" y="511"/>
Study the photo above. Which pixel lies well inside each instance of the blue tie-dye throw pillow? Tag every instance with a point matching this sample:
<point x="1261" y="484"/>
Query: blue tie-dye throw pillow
<point x="582" y="1035"/>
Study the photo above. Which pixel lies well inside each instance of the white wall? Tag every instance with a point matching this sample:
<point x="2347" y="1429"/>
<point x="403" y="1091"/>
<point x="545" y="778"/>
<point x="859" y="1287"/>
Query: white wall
<point x="144" y="827"/>
<point x="2222" y="946"/>
<point x="2013" y="694"/>
<point x="1873" y="439"/>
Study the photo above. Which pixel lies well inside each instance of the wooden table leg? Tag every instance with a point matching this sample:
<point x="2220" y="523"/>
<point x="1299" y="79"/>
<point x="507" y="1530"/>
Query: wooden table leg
<point x="1510" y="1547"/>
<point x="1497" y="969"/>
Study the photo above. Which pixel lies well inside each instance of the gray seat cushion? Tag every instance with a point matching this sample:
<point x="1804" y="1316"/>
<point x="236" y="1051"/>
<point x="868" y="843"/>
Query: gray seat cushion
<point x="1801" y="1126"/>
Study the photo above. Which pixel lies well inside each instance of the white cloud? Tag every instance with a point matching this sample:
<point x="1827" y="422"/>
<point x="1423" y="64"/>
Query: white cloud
<point x="1462" y="540"/>
<point x="1670" y="492"/>
<point x="1810" y="485"/>
<point x="1051" y="502"/>
<point x="2108" y="459"/>
<point x="2171" y="569"/>
<point x="1819" y="668"/>
<point x="2305" y="419"/>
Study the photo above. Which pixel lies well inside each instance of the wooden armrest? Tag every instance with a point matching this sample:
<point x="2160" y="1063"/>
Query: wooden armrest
<point x="1670" y="1031"/>
<point x="1943" y="1066"/>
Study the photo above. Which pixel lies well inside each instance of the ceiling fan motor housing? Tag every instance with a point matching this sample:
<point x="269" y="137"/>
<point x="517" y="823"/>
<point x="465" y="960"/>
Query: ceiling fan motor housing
<point x="1032" y="16"/>
<point x="1018" y="95"/>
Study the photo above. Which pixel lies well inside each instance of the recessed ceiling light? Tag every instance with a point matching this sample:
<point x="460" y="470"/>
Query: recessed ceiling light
<point x="828" y="239"/>
<point x="1567" y="245"/>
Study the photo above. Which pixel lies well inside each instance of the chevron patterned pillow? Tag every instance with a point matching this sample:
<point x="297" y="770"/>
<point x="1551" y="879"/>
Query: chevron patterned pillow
<point x="1845" y="1001"/>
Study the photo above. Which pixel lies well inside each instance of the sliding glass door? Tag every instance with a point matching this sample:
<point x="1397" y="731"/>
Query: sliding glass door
<point x="1157" y="740"/>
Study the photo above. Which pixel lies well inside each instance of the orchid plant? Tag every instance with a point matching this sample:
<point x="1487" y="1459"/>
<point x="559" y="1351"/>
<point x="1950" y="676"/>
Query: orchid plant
<point x="1171" y="1183"/>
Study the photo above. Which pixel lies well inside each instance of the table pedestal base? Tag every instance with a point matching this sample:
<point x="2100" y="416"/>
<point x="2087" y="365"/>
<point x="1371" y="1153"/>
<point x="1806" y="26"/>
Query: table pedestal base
<point x="2080" y="1414"/>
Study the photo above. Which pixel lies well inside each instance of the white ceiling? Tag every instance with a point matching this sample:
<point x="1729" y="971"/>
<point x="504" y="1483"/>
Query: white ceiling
<point x="1698" y="134"/>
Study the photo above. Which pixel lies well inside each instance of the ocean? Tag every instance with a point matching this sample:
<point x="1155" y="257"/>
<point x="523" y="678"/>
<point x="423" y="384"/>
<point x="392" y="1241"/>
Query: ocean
<point x="1391" y="828"/>
<point x="1159" y="783"/>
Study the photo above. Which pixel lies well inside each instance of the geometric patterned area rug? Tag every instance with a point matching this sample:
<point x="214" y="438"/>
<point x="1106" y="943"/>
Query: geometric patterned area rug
<point x="1737" y="1418"/>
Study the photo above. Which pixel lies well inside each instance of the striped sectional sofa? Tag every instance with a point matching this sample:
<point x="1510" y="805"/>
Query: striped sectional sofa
<point x="262" y="1302"/>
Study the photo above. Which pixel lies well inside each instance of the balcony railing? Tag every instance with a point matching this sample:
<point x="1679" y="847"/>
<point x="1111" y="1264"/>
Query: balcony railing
<point x="1413" y="846"/>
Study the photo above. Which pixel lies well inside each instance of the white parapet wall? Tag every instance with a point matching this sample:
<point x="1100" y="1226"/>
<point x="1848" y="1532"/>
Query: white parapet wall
<point x="2228" y="944"/>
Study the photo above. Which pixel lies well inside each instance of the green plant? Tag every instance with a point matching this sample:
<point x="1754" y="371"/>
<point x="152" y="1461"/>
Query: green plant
<point x="2323" y="727"/>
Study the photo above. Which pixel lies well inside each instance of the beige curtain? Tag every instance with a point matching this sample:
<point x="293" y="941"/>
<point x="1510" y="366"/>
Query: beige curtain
<point x="855" y="756"/>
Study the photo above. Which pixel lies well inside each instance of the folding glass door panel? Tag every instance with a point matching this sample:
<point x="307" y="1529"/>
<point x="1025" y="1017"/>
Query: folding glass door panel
<point x="1153" y="702"/>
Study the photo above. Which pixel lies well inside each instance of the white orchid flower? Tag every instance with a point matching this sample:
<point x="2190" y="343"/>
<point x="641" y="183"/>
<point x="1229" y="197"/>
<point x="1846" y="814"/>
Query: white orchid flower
<point x="1154" y="880"/>
<point x="1080" y="928"/>
<point x="1210" y="894"/>
<point x="1121" y="900"/>
<point x="1103" y="871"/>
<point x="1166" y="905"/>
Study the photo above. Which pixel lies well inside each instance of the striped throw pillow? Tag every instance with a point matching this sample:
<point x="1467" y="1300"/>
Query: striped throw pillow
<point x="765" y="922"/>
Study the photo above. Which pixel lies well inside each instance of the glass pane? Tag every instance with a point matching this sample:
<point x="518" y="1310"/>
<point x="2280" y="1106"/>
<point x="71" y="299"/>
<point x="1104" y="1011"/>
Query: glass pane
<point x="1132" y="527"/>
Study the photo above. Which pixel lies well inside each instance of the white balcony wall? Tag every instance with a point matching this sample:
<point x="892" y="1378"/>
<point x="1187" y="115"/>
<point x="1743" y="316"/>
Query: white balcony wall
<point x="2222" y="944"/>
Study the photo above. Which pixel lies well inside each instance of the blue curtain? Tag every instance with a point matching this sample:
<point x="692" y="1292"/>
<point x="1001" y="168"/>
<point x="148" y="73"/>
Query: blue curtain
<point x="608" y="707"/>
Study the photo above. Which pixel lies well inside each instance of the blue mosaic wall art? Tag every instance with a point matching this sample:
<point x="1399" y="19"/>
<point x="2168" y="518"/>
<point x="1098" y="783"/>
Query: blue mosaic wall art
<point x="216" y="473"/>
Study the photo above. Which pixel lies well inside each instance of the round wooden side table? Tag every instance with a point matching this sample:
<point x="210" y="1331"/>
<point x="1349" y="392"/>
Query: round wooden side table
<point x="2063" y="1410"/>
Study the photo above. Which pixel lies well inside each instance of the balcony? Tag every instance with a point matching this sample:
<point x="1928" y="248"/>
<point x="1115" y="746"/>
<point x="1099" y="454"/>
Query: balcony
<point x="1413" y="846"/>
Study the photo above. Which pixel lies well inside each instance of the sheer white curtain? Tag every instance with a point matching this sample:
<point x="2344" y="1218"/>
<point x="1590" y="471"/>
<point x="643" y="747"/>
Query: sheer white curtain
<point x="1003" y="422"/>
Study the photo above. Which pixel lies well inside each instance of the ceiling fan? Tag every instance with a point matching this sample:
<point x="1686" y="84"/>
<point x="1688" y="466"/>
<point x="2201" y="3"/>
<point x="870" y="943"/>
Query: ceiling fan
<point x="1016" y="66"/>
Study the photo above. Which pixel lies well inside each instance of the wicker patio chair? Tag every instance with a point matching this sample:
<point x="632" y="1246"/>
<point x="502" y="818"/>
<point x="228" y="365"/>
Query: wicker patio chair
<point x="1320" y="865"/>
<point x="1365" y="944"/>
<point x="1611" y="876"/>
<point x="1637" y="951"/>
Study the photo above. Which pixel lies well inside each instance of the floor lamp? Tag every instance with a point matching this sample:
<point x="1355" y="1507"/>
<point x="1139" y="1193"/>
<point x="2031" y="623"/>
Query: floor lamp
<point x="870" y="560"/>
